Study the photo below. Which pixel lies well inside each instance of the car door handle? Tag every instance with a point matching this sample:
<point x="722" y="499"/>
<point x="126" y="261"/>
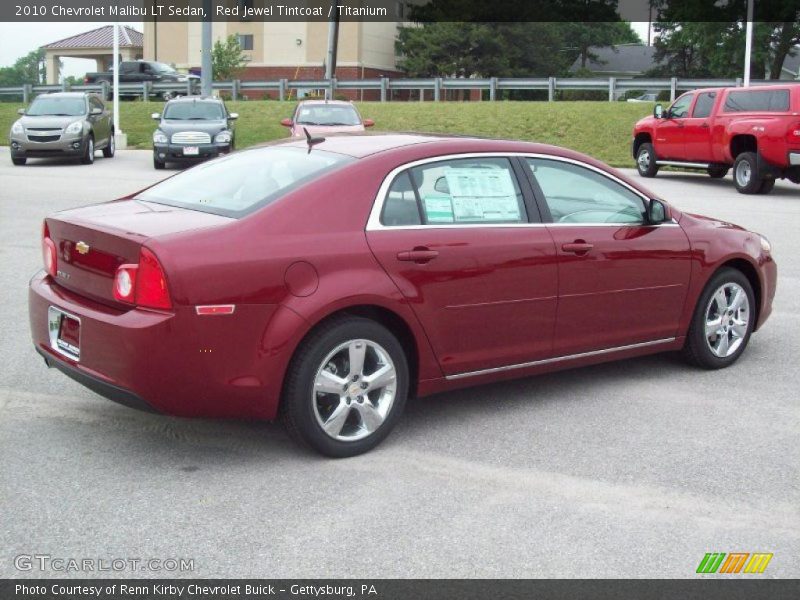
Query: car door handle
<point x="577" y="247"/>
<point x="417" y="255"/>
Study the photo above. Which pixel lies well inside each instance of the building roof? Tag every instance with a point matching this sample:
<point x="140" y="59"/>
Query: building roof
<point x="102" y="37"/>
<point x="630" y="59"/>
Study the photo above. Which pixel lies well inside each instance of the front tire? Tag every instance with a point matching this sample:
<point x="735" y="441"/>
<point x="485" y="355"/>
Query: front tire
<point x="722" y="322"/>
<point x="646" y="160"/>
<point x="746" y="177"/>
<point x="88" y="153"/>
<point x="110" y="148"/>
<point x="18" y="162"/>
<point x="766" y="186"/>
<point x="346" y="387"/>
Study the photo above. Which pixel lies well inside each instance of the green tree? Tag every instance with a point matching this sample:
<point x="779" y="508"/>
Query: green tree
<point x="27" y="69"/>
<point x="227" y="59"/>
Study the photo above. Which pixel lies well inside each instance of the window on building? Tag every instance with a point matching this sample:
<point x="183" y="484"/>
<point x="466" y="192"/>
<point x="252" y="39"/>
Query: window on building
<point x="246" y="41"/>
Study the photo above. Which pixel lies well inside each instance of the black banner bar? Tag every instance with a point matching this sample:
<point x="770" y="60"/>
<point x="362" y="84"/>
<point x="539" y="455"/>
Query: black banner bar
<point x="729" y="588"/>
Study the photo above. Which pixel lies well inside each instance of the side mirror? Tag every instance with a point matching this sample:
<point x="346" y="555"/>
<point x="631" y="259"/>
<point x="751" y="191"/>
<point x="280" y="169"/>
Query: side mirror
<point x="156" y="116"/>
<point x="657" y="212"/>
<point x="20" y="111"/>
<point x="368" y="122"/>
<point x="233" y="116"/>
<point x="658" y="111"/>
<point x="96" y="111"/>
<point x="286" y="122"/>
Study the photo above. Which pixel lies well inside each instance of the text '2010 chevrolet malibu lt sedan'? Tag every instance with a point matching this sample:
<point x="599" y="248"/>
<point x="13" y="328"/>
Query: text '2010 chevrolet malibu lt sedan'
<point x="325" y="281"/>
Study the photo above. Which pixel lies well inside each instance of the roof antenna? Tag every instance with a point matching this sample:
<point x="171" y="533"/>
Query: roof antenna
<point x="312" y="141"/>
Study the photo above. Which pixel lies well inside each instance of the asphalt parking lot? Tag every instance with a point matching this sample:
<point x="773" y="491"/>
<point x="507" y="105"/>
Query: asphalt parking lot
<point x="629" y="469"/>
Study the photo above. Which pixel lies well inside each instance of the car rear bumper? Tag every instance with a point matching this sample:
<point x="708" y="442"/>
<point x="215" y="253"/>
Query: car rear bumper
<point x="794" y="159"/>
<point x="175" y="362"/>
<point x="174" y="152"/>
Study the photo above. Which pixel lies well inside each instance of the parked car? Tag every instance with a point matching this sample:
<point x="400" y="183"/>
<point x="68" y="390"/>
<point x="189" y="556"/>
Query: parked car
<point x="192" y="128"/>
<point x="139" y="71"/>
<point x="62" y="125"/>
<point x="326" y="281"/>
<point x="324" y="117"/>
<point x="650" y="97"/>
<point x="754" y="130"/>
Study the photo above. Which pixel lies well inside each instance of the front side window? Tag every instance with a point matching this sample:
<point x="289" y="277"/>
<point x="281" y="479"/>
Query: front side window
<point x="704" y="104"/>
<point x="576" y="194"/>
<point x="455" y="192"/>
<point x="239" y="183"/>
<point x="57" y="107"/>
<point x="327" y="114"/>
<point x="194" y="111"/>
<point x="680" y="108"/>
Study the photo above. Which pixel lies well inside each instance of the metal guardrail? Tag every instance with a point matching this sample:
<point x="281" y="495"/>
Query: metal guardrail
<point x="436" y="85"/>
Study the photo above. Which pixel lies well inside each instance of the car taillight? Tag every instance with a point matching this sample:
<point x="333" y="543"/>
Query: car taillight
<point x="49" y="252"/>
<point x="144" y="284"/>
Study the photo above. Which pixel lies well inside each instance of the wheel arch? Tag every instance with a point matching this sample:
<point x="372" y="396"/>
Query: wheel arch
<point x="643" y="137"/>
<point x="742" y="142"/>
<point x="750" y="271"/>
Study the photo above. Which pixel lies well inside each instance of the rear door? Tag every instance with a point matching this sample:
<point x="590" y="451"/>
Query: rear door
<point x="670" y="135"/>
<point x="697" y="128"/>
<point x="466" y="248"/>
<point x="621" y="281"/>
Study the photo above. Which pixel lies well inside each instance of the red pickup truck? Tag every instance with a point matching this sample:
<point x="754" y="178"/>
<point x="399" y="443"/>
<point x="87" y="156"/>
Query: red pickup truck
<point x="754" y="130"/>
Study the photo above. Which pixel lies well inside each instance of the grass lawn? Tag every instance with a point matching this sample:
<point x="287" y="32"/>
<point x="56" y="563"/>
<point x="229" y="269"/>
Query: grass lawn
<point x="600" y="129"/>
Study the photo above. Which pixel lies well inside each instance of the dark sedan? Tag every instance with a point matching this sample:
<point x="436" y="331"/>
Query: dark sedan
<point x="192" y="129"/>
<point x="325" y="281"/>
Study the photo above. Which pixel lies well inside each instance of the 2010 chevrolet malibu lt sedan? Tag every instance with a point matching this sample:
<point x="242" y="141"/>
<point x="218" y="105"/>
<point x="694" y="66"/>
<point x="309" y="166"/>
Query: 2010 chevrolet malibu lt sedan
<point x="326" y="281"/>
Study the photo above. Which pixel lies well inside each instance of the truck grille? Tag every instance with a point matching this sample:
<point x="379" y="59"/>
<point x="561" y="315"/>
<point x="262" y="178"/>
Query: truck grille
<point x="191" y="137"/>
<point x="44" y="135"/>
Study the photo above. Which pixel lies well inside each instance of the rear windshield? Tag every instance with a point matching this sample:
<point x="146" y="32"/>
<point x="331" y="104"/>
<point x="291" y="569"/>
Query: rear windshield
<point x="327" y="114"/>
<point x="757" y="100"/>
<point x="239" y="183"/>
<point x="61" y="107"/>
<point x="194" y="111"/>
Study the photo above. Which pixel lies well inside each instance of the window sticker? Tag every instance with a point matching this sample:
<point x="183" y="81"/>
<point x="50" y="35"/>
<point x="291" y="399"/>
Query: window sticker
<point x="439" y="209"/>
<point x="482" y="195"/>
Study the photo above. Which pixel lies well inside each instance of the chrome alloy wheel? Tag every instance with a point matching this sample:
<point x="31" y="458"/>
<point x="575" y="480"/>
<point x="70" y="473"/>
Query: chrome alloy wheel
<point x="727" y="319"/>
<point x="643" y="160"/>
<point x="354" y="390"/>
<point x="743" y="173"/>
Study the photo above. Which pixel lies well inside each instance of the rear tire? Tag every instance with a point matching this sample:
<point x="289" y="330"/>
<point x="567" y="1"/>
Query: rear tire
<point x="110" y="148"/>
<point x="332" y="400"/>
<point x="88" y="153"/>
<point x="646" y="160"/>
<point x="19" y="161"/>
<point x="766" y="186"/>
<point x="722" y="322"/>
<point x="746" y="177"/>
<point x="718" y="172"/>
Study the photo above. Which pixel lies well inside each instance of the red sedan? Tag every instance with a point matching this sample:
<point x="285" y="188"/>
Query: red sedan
<point x="327" y="281"/>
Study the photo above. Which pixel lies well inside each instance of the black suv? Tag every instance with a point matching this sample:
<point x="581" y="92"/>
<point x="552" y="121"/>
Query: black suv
<point x="192" y="128"/>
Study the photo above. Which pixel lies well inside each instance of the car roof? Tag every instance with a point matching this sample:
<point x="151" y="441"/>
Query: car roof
<point x="770" y="87"/>
<point x="335" y="102"/>
<point x="67" y="94"/>
<point x="182" y="99"/>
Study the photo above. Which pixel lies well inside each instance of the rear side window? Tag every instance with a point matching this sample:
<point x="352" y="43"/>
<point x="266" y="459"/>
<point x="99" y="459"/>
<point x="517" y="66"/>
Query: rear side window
<point x="704" y="104"/>
<point x="239" y="183"/>
<point x="455" y="192"/>
<point x="757" y="100"/>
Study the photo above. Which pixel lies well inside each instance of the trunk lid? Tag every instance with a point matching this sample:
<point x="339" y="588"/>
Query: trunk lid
<point x="92" y="242"/>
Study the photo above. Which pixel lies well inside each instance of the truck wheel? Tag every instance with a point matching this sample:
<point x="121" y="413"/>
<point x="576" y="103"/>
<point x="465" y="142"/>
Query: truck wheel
<point x="19" y="161"/>
<point x="88" y="154"/>
<point x="766" y="186"/>
<point x="646" y="161"/>
<point x="745" y="173"/>
<point x="108" y="151"/>
<point x="718" y="172"/>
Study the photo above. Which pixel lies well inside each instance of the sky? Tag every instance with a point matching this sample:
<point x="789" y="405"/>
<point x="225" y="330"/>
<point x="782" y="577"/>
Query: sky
<point x="17" y="39"/>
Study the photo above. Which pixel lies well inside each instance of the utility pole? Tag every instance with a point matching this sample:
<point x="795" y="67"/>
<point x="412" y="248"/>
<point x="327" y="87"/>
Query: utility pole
<point x="206" y="74"/>
<point x="748" y="43"/>
<point x="333" y="43"/>
<point x="120" y="139"/>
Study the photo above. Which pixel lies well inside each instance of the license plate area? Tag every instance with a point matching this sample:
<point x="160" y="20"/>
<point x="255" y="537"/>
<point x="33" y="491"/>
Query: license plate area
<point x="65" y="333"/>
<point x="191" y="150"/>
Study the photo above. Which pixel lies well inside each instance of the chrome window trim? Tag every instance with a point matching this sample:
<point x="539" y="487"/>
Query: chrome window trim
<point x="374" y="221"/>
<point x="556" y="359"/>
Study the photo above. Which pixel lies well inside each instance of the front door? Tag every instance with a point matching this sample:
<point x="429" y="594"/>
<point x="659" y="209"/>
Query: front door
<point x="669" y="131"/>
<point x="468" y="252"/>
<point x="621" y="281"/>
<point x="697" y="128"/>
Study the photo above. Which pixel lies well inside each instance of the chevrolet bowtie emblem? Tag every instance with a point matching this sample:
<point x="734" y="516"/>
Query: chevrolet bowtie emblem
<point x="82" y="247"/>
